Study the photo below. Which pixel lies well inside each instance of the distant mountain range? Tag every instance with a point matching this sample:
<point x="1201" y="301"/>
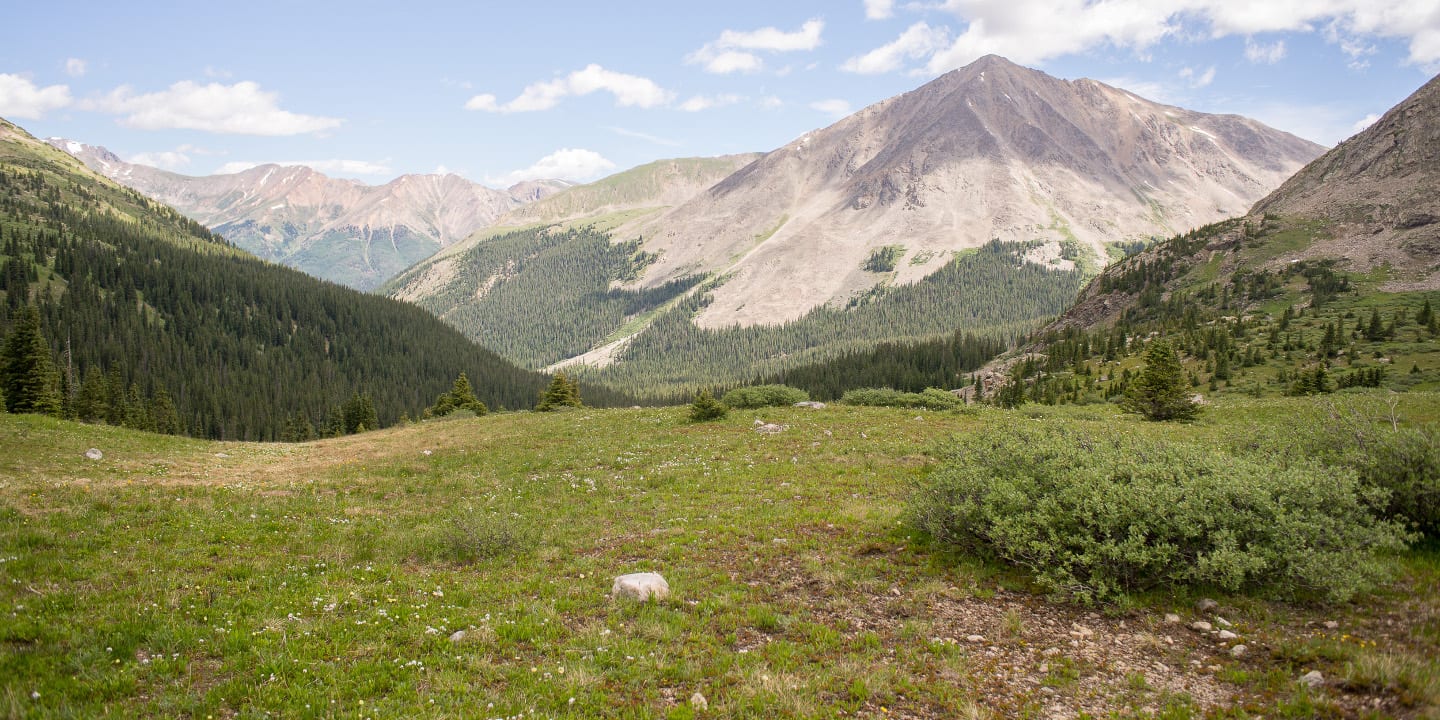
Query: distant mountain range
<point x="1064" y="173"/>
<point x="341" y="230"/>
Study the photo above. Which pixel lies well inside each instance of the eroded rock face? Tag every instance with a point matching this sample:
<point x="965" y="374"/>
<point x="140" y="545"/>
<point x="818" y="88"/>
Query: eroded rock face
<point x="641" y="586"/>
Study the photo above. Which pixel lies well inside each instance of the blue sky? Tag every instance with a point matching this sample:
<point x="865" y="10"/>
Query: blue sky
<point x="502" y="91"/>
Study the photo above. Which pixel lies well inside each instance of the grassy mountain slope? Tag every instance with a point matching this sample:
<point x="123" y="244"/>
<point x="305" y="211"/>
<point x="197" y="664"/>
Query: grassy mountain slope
<point x="176" y="577"/>
<point x="138" y="292"/>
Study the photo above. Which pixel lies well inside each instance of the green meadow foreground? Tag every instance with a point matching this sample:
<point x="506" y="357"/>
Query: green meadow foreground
<point x="462" y="568"/>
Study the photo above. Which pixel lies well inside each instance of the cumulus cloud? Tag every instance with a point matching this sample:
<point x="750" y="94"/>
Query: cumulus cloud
<point x="1033" y="31"/>
<point x="1365" y="122"/>
<point x="736" y="50"/>
<point x="705" y="102"/>
<point x="164" y="159"/>
<point x="1264" y="54"/>
<point x="20" y="98"/>
<point x="918" y="41"/>
<point x="75" y="67"/>
<point x="332" y="166"/>
<point x="879" y="9"/>
<point x="564" y="164"/>
<point x="239" y="109"/>
<point x="628" y="90"/>
<point x="647" y="137"/>
<point x="835" y="108"/>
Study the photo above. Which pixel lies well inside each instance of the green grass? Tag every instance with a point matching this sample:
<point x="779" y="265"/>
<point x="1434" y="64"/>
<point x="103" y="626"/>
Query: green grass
<point x="177" y="577"/>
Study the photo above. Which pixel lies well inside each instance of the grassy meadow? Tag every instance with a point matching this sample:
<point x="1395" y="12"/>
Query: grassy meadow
<point x="461" y="568"/>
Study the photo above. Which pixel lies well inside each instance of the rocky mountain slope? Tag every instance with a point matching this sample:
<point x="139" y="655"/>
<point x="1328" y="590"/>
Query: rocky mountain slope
<point x="342" y="230"/>
<point x="992" y="150"/>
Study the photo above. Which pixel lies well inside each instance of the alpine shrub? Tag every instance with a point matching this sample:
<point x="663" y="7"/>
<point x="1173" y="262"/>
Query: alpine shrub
<point x="764" y="396"/>
<point x="1096" y="518"/>
<point x="929" y="399"/>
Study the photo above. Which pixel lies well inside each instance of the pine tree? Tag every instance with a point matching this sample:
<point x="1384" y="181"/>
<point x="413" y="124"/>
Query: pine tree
<point x="298" y="429"/>
<point x="358" y="414"/>
<point x="562" y="393"/>
<point x="92" y="403"/>
<point x="164" y="418"/>
<point x="1159" y="393"/>
<point x="706" y="407"/>
<point x="27" y="374"/>
<point x="461" y="396"/>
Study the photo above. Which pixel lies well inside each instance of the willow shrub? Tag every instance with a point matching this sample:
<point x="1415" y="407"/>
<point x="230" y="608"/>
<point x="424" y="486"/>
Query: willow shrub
<point x="1095" y="518"/>
<point x="764" y="396"/>
<point x="928" y="399"/>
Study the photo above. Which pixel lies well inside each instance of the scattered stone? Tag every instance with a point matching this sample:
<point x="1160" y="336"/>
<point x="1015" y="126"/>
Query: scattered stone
<point x="1200" y="626"/>
<point x="1051" y="652"/>
<point x="1238" y="651"/>
<point x="975" y="638"/>
<point x="426" y="453"/>
<point x="1081" y="631"/>
<point x="94" y="454"/>
<point x="699" y="703"/>
<point x="1222" y="622"/>
<point x="641" y="586"/>
<point x="813" y="405"/>
<point x="1206" y="605"/>
<point x="1172" y="619"/>
<point x="222" y="455"/>
<point x="770" y="428"/>
<point x="1331" y="625"/>
<point x="457" y="636"/>
<point x="1312" y="679"/>
<point x="1227" y="635"/>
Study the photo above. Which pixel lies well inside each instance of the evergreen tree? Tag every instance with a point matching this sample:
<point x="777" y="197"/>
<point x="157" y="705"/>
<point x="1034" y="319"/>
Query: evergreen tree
<point x="706" y="407"/>
<point x="562" y="393"/>
<point x="1160" y="391"/>
<point x="298" y="429"/>
<point x="92" y="402"/>
<point x="163" y="416"/>
<point x="461" y="396"/>
<point x="358" y="414"/>
<point x="27" y="374"/>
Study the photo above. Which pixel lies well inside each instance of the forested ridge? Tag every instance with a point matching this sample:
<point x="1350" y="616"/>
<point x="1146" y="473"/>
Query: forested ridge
<point x="142" y="307"/>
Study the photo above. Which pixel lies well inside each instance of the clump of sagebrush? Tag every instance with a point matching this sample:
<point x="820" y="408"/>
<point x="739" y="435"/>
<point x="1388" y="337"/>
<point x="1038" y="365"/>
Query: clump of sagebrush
<point x="471" y="537"/>
<point x="764" y="396"/>
<point x="706" y="407"/>
<point x="1098" y="518"/>
<point x="928" y="399"/>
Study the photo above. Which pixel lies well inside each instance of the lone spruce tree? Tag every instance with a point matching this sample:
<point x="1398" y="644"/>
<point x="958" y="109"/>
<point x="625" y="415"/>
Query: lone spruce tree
<point x="1160" y="391"/>
<point x="27" y="373"/>
<point x="562" y="393"/>
<point x="706" y="407"/>
<point x="460" y="397"/>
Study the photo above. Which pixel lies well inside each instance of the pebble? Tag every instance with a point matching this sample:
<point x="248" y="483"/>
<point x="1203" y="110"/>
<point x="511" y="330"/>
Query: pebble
<point x="1331" y="625"/>
<point x="1172" y="619"/>
<point x="1200" y="626"/>
<point x="975" y="638"/>
<point x="699" y="702"/>
<point x="1238" y="651"/>
<point x="457" y="636"/>
<point x="1312" y="679"/>
<point x="1222" y="622"/>
<point x="641" y="586"/>
<point x="1081" y="631"/>
<point x="1051" y="652"/>
<point x="1205" y="605"/>
<point x="94" y="454"/>
<point x="1227" y="635"/>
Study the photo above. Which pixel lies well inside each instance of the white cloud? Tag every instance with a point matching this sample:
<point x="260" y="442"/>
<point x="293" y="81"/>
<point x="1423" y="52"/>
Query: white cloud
<point x="705" y="102"/>
<point x="74" y="67"/>
<point x="879" y="9"/>
<point x="1033" y="31"/>
<point x="564" y="164"/>
<point x="770" y="102"/>
<point x="628" y="90"/>
<point x="239" y="109"/>
<point x="1146" y="89"/>
<point x="918" y="41"/>
<point x="333" y="166"/>
<point x="1198" y="79"/>
<point x="1365" y="122"/>
<point x="1264" y="54"/>
<point x="20" y="98"/>
<point x="165" y="159"/>
<point x="735" y="50"/>
<point x="834" y="107"/>
<point x="623" y="132"/>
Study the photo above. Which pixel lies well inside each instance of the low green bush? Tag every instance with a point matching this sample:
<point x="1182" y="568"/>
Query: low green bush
<point x="471" y="537"/>
<point x="764" y="396"/>
<point x="929" y="399"/>
<point x="1097" y="518"/>
<point x="706" y="407"/>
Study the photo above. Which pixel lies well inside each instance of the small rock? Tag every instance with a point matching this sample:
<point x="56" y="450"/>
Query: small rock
<point x="1331" y="625"/>
<point x="1238" y="651"/>
<point x="1200" y="626"/>
<point x="94" y="454"/>
<point x="641" y="586"/>
<point x="1222" y="622"/>
<point x="1081" y="631"/>
<point x="1312" y="679"/>
<point x="426" y="453"/>
<point x="1172" y="619"/>
<point x="222" y="455"/>
<point x="1051" y="652"/>
<point x="975" y="638"/>
<point x="811" y="404"/>
<point x="769" y="428"/>
<point x="457" y="636"/>
<point x="699" y="703"/>
<point x="1226" y="635"/>
<point x="1206" y="605"/>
